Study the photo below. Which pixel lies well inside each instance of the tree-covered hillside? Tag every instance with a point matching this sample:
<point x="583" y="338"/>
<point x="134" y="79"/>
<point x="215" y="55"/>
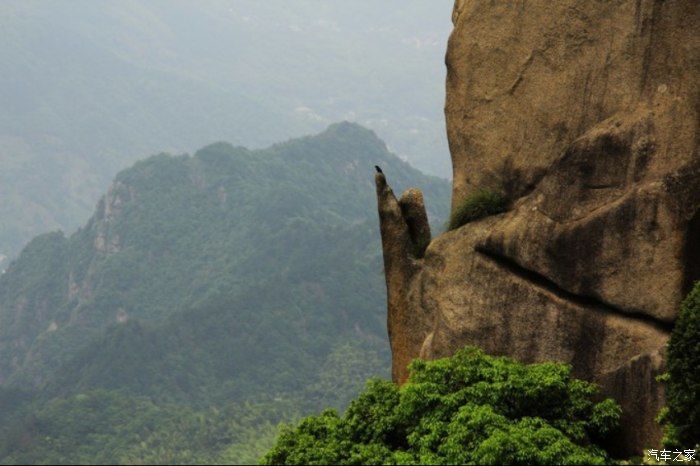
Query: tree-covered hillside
<point x="229" y="281"/>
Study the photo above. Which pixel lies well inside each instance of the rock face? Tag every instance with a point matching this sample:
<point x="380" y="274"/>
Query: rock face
<point x="585" y="115"/>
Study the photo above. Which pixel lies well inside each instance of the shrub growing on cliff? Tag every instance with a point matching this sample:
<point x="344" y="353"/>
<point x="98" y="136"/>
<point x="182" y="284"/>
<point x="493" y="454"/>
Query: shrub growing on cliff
<point x="683" y="388"/>
<point x="470" y="408"/>
<point x="481" y="203"/>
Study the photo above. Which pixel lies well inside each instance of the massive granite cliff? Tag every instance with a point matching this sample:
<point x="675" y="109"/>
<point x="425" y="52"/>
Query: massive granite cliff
<point x="584" y="114"/>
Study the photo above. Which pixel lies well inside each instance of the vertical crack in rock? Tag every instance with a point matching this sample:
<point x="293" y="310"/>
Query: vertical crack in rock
<point x="413" y="211"/>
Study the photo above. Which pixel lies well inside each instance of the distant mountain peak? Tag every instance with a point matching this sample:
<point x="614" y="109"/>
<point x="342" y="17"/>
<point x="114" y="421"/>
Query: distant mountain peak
<point x="352" y="129"/>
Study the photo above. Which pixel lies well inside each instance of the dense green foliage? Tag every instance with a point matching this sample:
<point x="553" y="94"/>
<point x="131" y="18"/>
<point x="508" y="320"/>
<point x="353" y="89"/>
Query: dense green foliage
<point x="230" y="276"/>
<point x="106" y="427"/>
<point x="467" y="409"/>
<point x="481" y="203"/>
<point x="683" y="379"/>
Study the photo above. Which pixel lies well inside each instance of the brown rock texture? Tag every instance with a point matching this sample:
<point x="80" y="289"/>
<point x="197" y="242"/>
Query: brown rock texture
<point x="585" y="115"/>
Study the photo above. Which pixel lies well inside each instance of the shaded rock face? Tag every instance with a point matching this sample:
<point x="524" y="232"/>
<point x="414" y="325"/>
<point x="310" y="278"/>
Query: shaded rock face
<point x="585" y="114"/>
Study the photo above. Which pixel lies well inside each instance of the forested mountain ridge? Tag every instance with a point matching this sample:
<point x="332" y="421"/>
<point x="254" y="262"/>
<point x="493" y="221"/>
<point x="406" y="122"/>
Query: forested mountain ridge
<point x="228" y="276"/>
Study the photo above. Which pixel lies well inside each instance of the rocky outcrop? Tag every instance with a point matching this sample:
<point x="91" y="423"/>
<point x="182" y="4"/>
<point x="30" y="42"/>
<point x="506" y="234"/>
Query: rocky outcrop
<point x="585" y="115"/>
<point x="108" y="210"/>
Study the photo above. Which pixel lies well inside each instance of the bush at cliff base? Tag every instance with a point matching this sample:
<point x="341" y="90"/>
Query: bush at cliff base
<point x="470" y="408"/>
<point x="683" y="389"/>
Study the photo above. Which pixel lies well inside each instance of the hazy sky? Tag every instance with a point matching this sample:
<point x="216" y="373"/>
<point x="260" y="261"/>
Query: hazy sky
<point x="89" y="86"/>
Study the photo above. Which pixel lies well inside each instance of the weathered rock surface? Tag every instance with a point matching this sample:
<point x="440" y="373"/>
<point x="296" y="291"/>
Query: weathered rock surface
<point x="585" y="114"/>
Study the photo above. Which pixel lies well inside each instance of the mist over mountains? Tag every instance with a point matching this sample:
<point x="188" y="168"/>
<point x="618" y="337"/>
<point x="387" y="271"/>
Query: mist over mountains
<point x="176" y="308"/>
<point x="88" y="87"/>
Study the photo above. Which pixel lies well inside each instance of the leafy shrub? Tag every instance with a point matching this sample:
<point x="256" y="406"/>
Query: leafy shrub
<point x="683" y="379"/>
<point x="470" y="408"/>
<point x="480" y="204"/>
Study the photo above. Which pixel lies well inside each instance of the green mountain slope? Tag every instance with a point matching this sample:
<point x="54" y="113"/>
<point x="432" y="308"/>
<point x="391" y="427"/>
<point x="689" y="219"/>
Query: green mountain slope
<point x="230" y="276"/>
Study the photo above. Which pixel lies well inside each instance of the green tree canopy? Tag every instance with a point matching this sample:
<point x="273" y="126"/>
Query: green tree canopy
<point x="683" y="389"/>
<point x="469" y="408"/>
